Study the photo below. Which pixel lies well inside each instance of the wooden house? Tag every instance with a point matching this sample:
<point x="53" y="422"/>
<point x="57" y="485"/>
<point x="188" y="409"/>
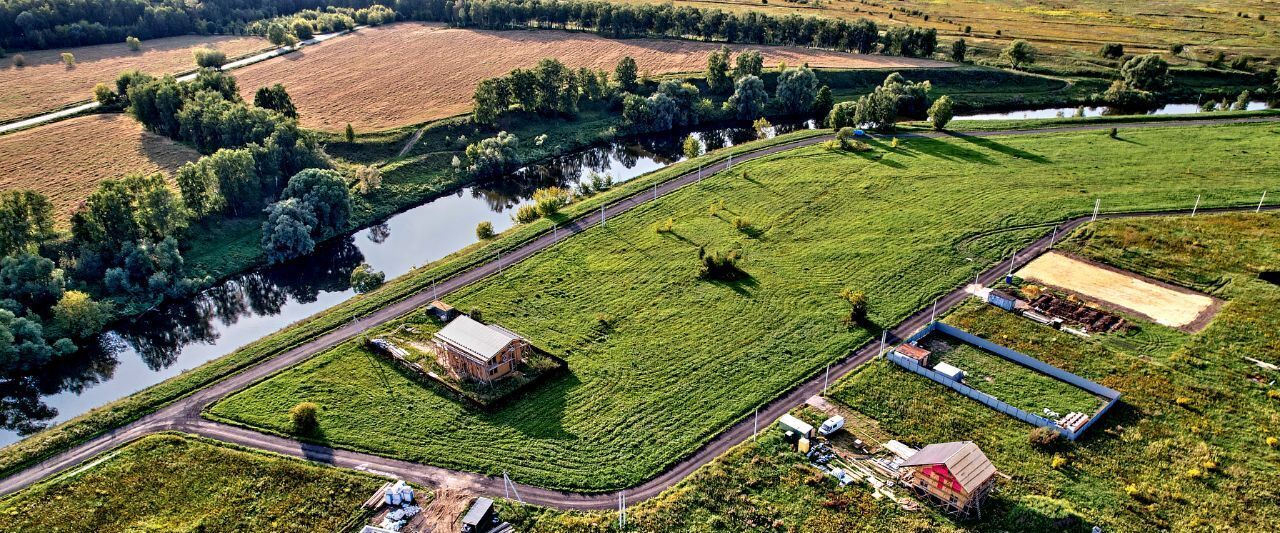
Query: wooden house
<point x="484" y="352"/>
<point x="955" y="475"/>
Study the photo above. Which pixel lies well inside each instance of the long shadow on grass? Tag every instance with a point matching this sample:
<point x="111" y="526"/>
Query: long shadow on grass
<point x="539" y="414"/>
<point x="874" y="157"/>
<point x="742" y="285"/>
<point x="998" y="147"/>
<point x="943" y="150"/>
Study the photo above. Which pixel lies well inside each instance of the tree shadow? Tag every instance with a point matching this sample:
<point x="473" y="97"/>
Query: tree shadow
<point x="874" y="157"/>
<point x="539" y="414"/>
<point x="998" y="147"/>
<point x="743" y="284"/>
<point x="934" y="147"/>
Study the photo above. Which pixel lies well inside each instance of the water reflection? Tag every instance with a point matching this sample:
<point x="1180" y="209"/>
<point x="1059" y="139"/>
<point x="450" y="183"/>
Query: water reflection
<point x="182" y="335"/>
<point x="1059" y="112"/>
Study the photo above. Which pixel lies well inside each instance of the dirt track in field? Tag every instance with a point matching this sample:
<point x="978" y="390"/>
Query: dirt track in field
<point x="1166" y="305"/>
<point x="46" y="83"/>
<point x="66" y="160"/>
<point x="407" y="73"/>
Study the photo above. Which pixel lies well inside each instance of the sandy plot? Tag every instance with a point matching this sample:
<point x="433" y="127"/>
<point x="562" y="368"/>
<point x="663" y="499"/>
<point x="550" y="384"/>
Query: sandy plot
<point x="46" y="83"/>
<point x="406" y="73"/>
<point x="1164" y="304"/>
<point x="65" y="160"/>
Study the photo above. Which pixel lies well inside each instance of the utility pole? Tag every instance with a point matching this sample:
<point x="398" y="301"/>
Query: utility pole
<point x="1195" y="207"/>
<point x="655" y="191"/>
<point x="826" y="380"/>
<point x="730" y="162"/>
<point x="1096" y="206"/>
<point x="884" y="336"/>
<point x="1264" y="198"/>
<point x="933" y="317"/>
<point x="1008" y="278"/>
<point x="499" y="261"/>
<point x="434" y="296"/>
<point x="699" y="172"/>
<point x="602" y="216"/>
<point x="755" y="424"/>
<point x="509" y="486"/>
<point x="555" y="230"/>
<point x="1053" y="237"/>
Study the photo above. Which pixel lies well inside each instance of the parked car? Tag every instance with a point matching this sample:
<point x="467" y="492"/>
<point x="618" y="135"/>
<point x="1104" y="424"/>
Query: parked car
<point x="832" y="425"/>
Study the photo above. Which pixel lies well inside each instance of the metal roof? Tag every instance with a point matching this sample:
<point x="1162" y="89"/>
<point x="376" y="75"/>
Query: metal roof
<point x="964" y="460"/>
<point x="477" y="511"/>
<point x="480" y="341"/>
<point x="912" y="351"/>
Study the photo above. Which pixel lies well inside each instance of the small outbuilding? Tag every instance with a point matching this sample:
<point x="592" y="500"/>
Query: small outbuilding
<point x="800" y="427"/>
<point x="480" y="518"/>
<point x="911" y="351"/>
<point x="484" y="352"/>
<point x="1001" y="299"/>
<point x="955" y="475"/>
<point x="441" y="311"/>
<point x="951" y="372"/>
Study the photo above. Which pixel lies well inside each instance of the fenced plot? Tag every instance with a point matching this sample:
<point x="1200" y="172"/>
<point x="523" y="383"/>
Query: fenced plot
<point x="1051" y="382"/>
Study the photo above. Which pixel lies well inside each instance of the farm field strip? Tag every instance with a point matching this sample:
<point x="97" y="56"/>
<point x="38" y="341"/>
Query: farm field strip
<point x="631" y="386"/>
<point x="66" y="160"/>
<point x="46" y="84"/>
<point x="407" y="73"/>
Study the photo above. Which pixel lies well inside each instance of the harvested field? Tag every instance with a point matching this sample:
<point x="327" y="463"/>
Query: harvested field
<point x="1162" y="303"/>
<point x="407" y="73"/>
<point x="46" y="84"/>
<point x="65" y="160"/>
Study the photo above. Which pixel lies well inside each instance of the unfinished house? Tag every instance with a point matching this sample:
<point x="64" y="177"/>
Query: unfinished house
<point x="955" y="475"/>
<point x="483" y="352"/>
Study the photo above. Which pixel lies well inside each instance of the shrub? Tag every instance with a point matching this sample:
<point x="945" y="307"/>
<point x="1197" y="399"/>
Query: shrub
<point x="484" y="230"/>
<point x="350" y="133"/>
<point x="1019" y="53"/>
<point x="1183" y="401"/>
<point x="665" y="226"/>
<point x="69" y="59"/>
<point x="1058" y="461"/>
<point x="1209" y="465"/>
<point x="527" y="213"/>
<point x="549" y="200"/>
<point x="941" y="112"/>
<point x="19" y="60"/>
<point x="1043" y="437"/>
<point x="1195" y="473"/>
<point x="1273" y="394"/>
<point x="762" y="127"/>
<point x="741" y="223"/>
<point x="304" y="417"/>
<point x="209" y="57"/>
<point x="858" y="307"/>
<point x="133" y="43"/>
<point x="368" y="179"/>
<point x="1273" y="442"/>
<point x="106" y="96"/>
<point x="1112" y="51"/>
<point x="364" y="278"/>
<point x="720" y="265"/>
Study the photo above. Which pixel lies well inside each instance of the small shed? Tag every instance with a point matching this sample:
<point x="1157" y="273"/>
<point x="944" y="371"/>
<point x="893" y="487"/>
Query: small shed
<point x="480" y="517"/>
<point x="1001" y="299"/>
<point x="911" y="351"/>
<point x="791" y="423"/>
<point x="441" y="311"/>
<point x="955" y="475"/>
<point x="951" y="372"/>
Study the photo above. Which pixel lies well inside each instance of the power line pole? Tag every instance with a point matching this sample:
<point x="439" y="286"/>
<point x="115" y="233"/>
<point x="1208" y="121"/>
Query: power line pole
<point x="826" y="380"/>
<point x="933" y="317"/>
<point x="602" y="216"/>
<point x="884" y="336"/>
<point x="508" y="484"/>
<point x="1196" y="207"/>
<point x="1264" y="198"/>
<point x="1096" y="205"/>
<point x="755" y="424"/>
<point x="655" y="191"/>
<point x="1053" y="237"/>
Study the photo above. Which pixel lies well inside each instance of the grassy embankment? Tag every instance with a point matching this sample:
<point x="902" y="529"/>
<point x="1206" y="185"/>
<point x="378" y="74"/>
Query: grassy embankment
<point x="174" y="482"/>
<point x="1187" y="448"/>
<point x="818" y="221"/>
<point x="130" y="408"/>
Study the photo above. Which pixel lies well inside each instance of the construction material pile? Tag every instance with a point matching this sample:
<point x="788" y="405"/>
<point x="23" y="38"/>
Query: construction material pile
<point x="1092" y="319"/>
<point x="400" y="497"/>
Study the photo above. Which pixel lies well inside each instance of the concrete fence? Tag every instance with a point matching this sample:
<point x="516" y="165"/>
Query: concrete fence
<point x="1112" y="396"/>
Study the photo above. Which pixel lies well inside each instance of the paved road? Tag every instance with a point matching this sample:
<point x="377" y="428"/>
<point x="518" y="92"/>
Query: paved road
<point x="89" y="106"/>
<point x="184" y="414"/>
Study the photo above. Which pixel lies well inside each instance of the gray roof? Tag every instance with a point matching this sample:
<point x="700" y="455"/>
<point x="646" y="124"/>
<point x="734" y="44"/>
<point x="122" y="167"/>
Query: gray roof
<point x="480" y="341"/>
<point x="477" y="511"/>
<point x="964" y="460"/>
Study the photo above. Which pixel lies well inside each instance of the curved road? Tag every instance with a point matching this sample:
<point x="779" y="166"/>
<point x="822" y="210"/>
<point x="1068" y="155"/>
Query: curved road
<point x="185" y="414"/>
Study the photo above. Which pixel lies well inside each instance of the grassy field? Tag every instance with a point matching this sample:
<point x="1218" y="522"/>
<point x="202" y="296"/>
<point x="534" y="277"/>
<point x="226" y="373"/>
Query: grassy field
<point x="172" y="482"/>
<point x="66" y="160"/>
<point x="1065" y="32"/>
<point x="1186" y="449"/>
<point x="46" y="83"/>
<point x="414" y="73"/>
<point x="1010" y="382"/>
<point x="817" y="222"/>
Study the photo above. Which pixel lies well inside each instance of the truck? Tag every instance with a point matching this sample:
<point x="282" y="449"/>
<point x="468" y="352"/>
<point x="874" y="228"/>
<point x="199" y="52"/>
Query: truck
<point x="831" y="425"/>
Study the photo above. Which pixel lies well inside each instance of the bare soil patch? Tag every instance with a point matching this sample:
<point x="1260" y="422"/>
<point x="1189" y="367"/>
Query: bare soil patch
<point x="65" y="160"/>
<point x="407" y="73"/>
<point x="45" y="83"/>
<point x="1162" y="303"/>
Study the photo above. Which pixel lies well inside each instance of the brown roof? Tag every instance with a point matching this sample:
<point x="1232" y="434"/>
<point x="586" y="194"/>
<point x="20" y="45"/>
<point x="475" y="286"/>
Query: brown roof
<point x="912" y="351"/>
<point x="441" y="305"/>
<point x="964" y="460"/>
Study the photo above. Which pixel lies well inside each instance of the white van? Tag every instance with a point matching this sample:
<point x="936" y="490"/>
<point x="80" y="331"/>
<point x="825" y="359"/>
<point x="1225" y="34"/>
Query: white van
<point x="832" y="425"/>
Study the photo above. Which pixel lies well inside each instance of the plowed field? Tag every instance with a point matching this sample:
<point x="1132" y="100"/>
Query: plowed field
<point x="388" y="76"/>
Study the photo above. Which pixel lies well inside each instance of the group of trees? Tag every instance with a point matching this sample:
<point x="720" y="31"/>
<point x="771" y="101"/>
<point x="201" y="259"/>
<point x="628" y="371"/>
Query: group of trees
<point x="305" y="24"/>
<point x="315" y="204"/>
<point x="880" y="110"/>
<point x="549" y="88"/>
<point x="1142" y="78"/>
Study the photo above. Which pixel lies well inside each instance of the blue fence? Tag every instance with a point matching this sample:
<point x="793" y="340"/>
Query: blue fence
<point x="1112" y="396"/>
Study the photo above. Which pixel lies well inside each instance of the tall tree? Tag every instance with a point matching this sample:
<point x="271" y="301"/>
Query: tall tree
<point x="748" y="97"/>
<point x="275" y="98"/>
<point x="26" y="220"/>
<point x="325" y="192"/>
<point x="749" y="63"/>
<point x="797" y="90"/>
<point x="625" y="73"/>
<point x="718" y="80"/>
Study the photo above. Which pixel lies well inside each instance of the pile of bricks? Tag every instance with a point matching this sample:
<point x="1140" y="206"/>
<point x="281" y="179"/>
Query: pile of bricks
<point x="1090" y="318"/>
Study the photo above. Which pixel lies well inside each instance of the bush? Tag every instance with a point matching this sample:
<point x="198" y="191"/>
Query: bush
<point x="1112" y="51"/>
<point x="858" y="307"/>
<point x="69" y="59"/>
<point x="1273" y="442"/>
<point x="1183" y="401"/>
<point x="1058" y="462"/>
<point x="133" y="43"/>
<point x="549" y="200"/>
<point x="527" y="213"/>
<point x="209" y="57"/>
<point x="484" y="230"/>
<point x="1019" y="53"/>
<point x="304" y="418"/>
<point x="364" y="278"/>
<point x="1043" y="437"/>
<point x="665" y="226"/>
<point x="368" y="179"/>
<point x="941" y="112"/>
<point x="762" y="127"/>
<point x="720" y="265"/>
<point x="19" y="60"/>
